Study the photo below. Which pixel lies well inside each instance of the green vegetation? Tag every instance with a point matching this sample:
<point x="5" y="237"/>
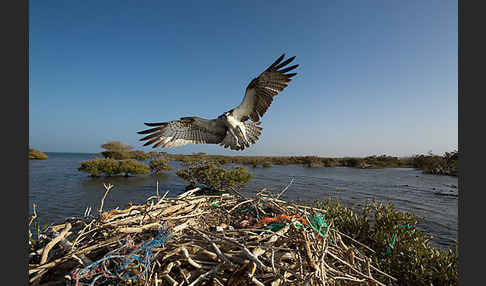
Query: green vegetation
<point x="116" y="146"/>
<point x="267" y="164"/>
<point x="437" y="165"/>
<point x="409" y="257"/>
<point x="431" y="164"/>
<point x="119" y="158"/>
<point x="158" y="165"/>
<point x="35" y="154"/>
<point x="117" y="155"/>
<point x="120" y="155"/>
<point x="111" y="167"/>
<point x="215" y="177"/>
<point x="309" y="161"/>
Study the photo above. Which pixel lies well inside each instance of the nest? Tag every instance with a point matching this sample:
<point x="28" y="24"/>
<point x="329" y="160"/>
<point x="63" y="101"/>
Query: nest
<point x="223" y="239"/>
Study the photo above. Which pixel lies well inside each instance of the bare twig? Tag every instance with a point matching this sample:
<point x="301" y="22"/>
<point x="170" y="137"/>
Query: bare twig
<point x="285" y="189"/>
<point x="205" y="275"/>
<point x="107" y="189"/>
<point x="34" y="215"/>
<point x="53" y="242"/>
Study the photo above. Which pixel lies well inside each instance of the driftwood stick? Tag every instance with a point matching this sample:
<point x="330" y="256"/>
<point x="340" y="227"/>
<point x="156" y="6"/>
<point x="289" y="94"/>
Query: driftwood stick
<point x="217" y="250"/>
<point x="107" y="189"/>
<point x="256" y="281"/>
<point x="185" y="252"/>
<point x="170" y="280"/>
<point x="353" y="240"/>
<point x="309" y="254"/>
<point x="68" y="246"/>
<point x="261" y="192"/>
<point x="186" y="216"/>
<point x="53" y="242"/>
<point x="180" y="227"/>
<point x="238" y="193"/>
<point x="203" y="276"/>
<point x="239" y="204"/>
<point x="34" y="215"/>
<point x="377" y="270"/>
<point x="167" y="270"/>
<point x="188" y="193"/>
<point x="241" y="246"/>
<point x="163" y="197"/>
<point x="285" y="189"/>
<point x="36" y="279"/>
<point x="139" y="229"/>
<point x="355" y="270"/>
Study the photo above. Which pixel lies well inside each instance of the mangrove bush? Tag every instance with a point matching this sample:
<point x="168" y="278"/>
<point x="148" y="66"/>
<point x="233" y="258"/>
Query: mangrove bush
<point x="35" y="154"/>
<point x="400" y="248"/>
<point x="438" y="165"/>
<point x="110" y="167"/>
<point x="215" y="177"/>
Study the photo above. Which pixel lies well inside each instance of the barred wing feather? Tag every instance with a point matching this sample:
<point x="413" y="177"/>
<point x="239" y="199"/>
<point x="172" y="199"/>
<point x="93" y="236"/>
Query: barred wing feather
<point x="262" y="89"/>
<point x="187" y="130"/>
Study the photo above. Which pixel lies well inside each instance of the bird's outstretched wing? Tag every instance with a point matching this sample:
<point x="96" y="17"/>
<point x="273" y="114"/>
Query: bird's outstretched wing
<point x="187" y="130"/>
<point x="262" y="89"/>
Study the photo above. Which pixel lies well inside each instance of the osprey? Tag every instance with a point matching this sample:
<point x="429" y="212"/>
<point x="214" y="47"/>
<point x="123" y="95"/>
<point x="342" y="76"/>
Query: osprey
<point x="233" y="128"/>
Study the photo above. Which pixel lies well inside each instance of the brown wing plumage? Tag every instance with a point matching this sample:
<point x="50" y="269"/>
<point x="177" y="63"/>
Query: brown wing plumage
<point x="261" y="90"/>
<point x="187" y="130"/>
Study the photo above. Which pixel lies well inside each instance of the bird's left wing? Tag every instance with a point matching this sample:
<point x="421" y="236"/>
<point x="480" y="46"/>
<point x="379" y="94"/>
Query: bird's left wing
<point x="187" y="130"/>
<point x="262" y="89"/>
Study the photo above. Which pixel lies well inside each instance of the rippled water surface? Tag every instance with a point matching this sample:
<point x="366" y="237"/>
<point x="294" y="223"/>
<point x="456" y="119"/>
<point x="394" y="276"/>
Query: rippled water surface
<point x="59" y="190"/>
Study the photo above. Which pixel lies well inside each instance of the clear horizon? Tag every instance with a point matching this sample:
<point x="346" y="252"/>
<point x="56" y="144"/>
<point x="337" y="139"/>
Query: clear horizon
<point x="374" y="78"/>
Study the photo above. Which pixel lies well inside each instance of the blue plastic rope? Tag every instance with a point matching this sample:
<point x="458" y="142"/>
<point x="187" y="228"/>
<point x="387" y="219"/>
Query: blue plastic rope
<point x="115" y="265"/>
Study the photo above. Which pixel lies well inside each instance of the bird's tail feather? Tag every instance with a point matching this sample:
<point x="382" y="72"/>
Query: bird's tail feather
<point x="253" y="131"/>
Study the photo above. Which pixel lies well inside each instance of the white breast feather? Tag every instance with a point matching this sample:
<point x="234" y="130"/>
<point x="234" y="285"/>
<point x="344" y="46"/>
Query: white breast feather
<point x="234" y="123"/>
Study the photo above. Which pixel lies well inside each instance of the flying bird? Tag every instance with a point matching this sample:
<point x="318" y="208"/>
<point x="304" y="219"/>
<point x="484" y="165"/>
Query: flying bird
<point x="237" y="128"/>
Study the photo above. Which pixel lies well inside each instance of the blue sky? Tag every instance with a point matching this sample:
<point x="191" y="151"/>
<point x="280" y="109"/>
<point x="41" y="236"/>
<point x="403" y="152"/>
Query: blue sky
<point x="375" y="77"/>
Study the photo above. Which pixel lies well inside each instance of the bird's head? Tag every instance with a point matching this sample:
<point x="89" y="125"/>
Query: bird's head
<point x="225" y="115"/>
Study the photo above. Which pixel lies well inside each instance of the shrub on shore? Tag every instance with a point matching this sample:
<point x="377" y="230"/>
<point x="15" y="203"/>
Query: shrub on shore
<point x="116" y="146"/>
<point x="431" y="164"/>
<point x="119" y="158"/>
<point x="116" y="155"/>
<point x="215" y="177"/>
<point x="267" y="164"/>
<point x="35" y="154"/>
<point x="110" y="167"/>
<point x="121" y="155"/>
<point x="309" y="161"/>
<point x="120" y="151"/>
<point x="158" y="165"/>
<point x="401" y="250"/>
<point x="438" y="165"/>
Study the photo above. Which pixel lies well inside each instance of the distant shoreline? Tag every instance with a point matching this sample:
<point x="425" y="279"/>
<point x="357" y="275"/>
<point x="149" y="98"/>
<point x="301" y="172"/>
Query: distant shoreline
<point x="429" y="164"/>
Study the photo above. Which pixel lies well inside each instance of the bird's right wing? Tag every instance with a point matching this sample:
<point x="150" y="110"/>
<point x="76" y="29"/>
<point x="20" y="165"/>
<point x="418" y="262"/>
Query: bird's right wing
<point x="187" y="130"/>
<point x="262" y="89"/>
